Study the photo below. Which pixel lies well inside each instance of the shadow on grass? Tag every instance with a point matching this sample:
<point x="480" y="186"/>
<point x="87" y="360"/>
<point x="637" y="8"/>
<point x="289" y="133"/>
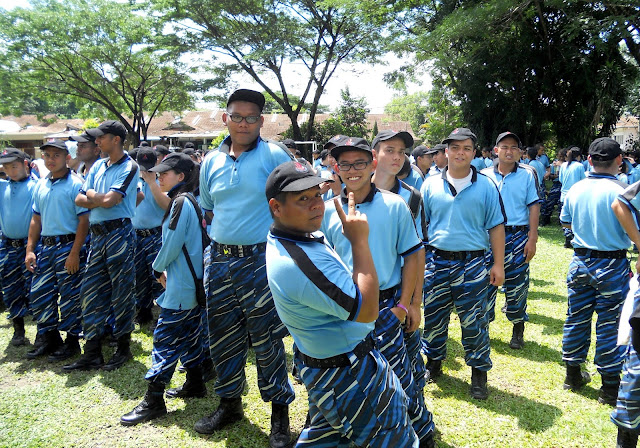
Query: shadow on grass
<point x="560" y="298"/>
<point x="552" y="325"/>
<point x="532" y="351"/>
<point x="538" y="282"/>
<point x="533" y="416"/>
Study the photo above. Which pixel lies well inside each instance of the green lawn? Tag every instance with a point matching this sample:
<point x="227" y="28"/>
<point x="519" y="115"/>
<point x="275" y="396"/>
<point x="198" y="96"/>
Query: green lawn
<point x="527" y="407"/>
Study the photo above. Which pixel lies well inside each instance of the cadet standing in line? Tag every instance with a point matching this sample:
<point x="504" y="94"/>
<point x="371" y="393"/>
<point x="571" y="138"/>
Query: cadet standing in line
<point x="330" y="313"/>
<point x="571" y="171"/>
<point x="423" y="158"/>
<point x="439" y="159"/>
<point x="598" y="277"/>
<point x="466" y="217"/>
<point x="519" y="191"/>
<point x="109" y="192"/>
<point x="16" y="202"/>
<point x="240" y="307"/>
<point x="397" y="253"/>
<point x="87" y="153"/>
<point x="57" y="263"/>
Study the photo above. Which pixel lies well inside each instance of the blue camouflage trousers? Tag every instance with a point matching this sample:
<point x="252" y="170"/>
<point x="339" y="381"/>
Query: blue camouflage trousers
<point x="600" y="285"/>
<point x="363" y="403"/>
<point x="627" y="411"/>
<point x="516" y="279"/>
<point x="463" y="284"/>
<point x="52" y="288"/>
<point x="108" y="284"/>
<point x="176" y="337"/>
<point x="553" y="199"/>
<point x="241" y="312"/>
<point x="413" y="343"/>
<point x="390" y="341"/>
<point x="147" y="288"/>
<point x="16" y="279"/>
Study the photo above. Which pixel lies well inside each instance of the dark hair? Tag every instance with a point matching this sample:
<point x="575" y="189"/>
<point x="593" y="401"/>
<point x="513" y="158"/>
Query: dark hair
<point x="532" y="152"/>
<point x="606" y="164"/>
<point x="537" y="146"/>
<point x="572" y="153"/>
<point x="190" y="184"/>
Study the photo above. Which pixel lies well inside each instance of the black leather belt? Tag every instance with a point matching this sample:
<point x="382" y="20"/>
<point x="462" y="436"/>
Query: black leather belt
<point x="15" y="243"/>
<point x="231" y="250"/>
<point x="386" y="294"/>
<point x="601" y="253"/>
<point x="461" y="255"/>
<point x="143" y="233"/>
<point x="514" y="229"/>
<point x="62" y="239"/>
<point x="106" y="227"/>
<point x="361" y="350"/>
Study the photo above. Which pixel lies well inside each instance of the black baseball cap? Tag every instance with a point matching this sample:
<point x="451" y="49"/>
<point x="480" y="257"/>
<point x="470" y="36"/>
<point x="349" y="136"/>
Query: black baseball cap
<point x="351" y="144"/>
<point x="335" y="141"/>
<point x="460" y="134"/>
<point x="250" y="96"/>
<point x="291" y="176"/>
<point x="604" y="148"/>
<point x="11" y="155"/>
<point x="162" y="150"/>
<point x="389" y="134"/>
<point x="146" y="158"/>
<point x="508" y="134"/>
<point x="176" y="161"/>
<point x="109" y="127"/>
<point x="189" y="151"/>
<point x="289" y="143"/>
<point x="436" y="148"/>
<point x="189" y="145"/>
<point x="144" y="144"/>
<point x="58" y="144"/>
<point x="420" y="151"/>
<point x="83" y="138"/>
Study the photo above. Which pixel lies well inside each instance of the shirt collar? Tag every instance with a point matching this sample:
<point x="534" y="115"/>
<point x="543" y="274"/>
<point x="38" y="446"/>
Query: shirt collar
<point x="474" y="173"/>
<point x="21" y="180"/>
<point x="53" y="181"/>
<point x="594" y="174"/>
<point x="515" y="168"/>
<point x="226" y="145"/>
<point x="396" y="187"/>
<point x="368" y="198"/>
<point x="283" y="234"/>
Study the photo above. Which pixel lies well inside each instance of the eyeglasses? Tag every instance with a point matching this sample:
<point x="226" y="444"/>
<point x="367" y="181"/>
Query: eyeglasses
<point x="251" y="119"/>
<point x="357" y="165"/>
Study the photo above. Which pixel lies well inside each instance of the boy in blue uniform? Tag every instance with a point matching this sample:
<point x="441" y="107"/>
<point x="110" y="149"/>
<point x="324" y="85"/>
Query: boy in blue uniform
<point x="571" y="171"/>
<point x="423" y="159"/>
<point x="240" y="306"/>
<point x="58" y="261"/>
<point x="398" y="254"/>
<point x="598" y="277"/>
<point x="16" y="202"/>
<point x="354" y="396"/>
<point x="466" y="216"/>
<point x="177" y="335"/>
<point x="108" y="283"/>
<point x="519" y="191"/>
<point x="147" y="222"/>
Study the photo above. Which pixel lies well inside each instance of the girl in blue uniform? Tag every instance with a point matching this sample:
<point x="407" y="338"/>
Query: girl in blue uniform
<point x="177" y="335"/>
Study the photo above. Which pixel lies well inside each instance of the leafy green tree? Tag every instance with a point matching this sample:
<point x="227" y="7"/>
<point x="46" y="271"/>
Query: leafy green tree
<point x="99" y="53"/>
<point x="412" y="108"/>
<point x="275" y="42"/>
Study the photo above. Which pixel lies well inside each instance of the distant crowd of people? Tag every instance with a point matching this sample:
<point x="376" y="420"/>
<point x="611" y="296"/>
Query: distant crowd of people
<point x="361" y="255"/>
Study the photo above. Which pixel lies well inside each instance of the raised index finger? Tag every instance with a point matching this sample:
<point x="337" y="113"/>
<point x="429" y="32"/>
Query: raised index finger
<point x="351" y="204"/>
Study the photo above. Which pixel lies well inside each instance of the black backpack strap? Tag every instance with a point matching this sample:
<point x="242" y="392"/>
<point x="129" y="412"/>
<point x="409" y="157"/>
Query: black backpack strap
<point x="205" y="237"/>
<point x="416" y="205"/>
<point x="193" y="271"/>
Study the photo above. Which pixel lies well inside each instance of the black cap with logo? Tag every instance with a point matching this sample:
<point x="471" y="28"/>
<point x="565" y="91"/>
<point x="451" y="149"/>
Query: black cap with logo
<point x="291" y="176"/>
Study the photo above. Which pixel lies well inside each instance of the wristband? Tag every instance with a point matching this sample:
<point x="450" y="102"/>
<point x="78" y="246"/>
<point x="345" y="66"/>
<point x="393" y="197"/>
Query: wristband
<point x="400" y="305"/>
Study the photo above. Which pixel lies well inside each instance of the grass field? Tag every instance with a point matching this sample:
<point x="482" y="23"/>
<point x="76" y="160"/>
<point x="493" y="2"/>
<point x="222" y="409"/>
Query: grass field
<point x="42" y="407"/>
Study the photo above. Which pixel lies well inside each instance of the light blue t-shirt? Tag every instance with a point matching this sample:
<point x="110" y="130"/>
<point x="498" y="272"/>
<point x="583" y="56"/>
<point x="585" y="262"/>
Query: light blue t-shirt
<point x="148" y="213"/>
<point x="540" y="171"/>
<point x="461" y="220"/>
<point x="518" y="190"/>
<point x="392" y="233"/>
<point x="181" y="228"/>
<point x="120" y="177"/>
<point x="234" y="190"/>
<point x="478" y="162"/>
<point x="587" y="207"/>
<point x="544" y="159"/>
<point x="415" y="178"/>
<point x="408" y="193"/>
<point x="314" y="294"/>
<point x="55" y="203"/>
<point x="16" y="202"/>
<point x="569" y="175"/>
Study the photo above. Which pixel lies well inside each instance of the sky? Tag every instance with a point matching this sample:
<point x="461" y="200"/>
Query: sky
<point x="362" y="80"/>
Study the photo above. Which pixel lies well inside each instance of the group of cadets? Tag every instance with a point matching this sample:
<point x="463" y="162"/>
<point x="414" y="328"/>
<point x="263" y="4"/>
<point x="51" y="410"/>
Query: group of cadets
<point x="347" y="255"/>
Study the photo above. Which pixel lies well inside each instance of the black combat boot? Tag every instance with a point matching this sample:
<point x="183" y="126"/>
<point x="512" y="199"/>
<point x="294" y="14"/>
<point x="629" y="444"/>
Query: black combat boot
<point x="479" y="389"/>
<point x="517" y="336"/>
<point x="433" y="370"/>
<point x="229" y="411"/>
<point x="575" y="378"/>
<point x="193" y="387"/>
<point x="152" y="406"/>
<point x="18" y="332"/>
<point x="280" y="436"/>
<point x="70" y="348"/>
<point x="144" y="316"/>
<point x="52" y="342"/>
<point x="122" y="354"/>
<point x="208" y="370"/>
<point x="92" y="358"/>
<point x="567" y="242"/>
<point x="609" y="390"/>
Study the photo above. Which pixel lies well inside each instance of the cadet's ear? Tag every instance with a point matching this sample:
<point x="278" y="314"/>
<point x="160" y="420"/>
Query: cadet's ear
<point x="274" y="205"/>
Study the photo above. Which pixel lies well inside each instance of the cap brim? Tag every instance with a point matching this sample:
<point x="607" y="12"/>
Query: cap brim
<point x="95" y="132"/>
<point x="337" y="150"/>
<point x="160" y="168"/>
<point x="54" y="147"/>
<point x="457" y="138"/>
<point x="10" y="159"/>
<point x="79" y="139"/>
<point x="305" y="183"/>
